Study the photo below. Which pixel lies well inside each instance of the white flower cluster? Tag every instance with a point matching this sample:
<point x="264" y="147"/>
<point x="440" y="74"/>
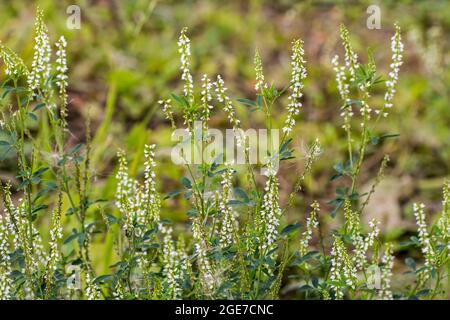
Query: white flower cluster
<point x="167" y="110"/>
<point x="363" y="244"/>
<point x="344" y="90"/>
<point x="127" y="192"/>
<point x="352" y="221"/>
<point x="206" y="99"/>
<point x="61" y="65"/>
<point x="92" y="289"/>
<point x="260" y="85"/>
<point x="270" y="214"/>
<point x="15" y="67"/>
<point x="5" y="263"/>
<point x="351" y="58"/>
<point x="444" y="220"/>
<point x="397" y="61"/>
<point x="118" y="293"/>
<point x="40" y="67"/>
<point x="206" y="273"/>
<point x="385" y="292"/>
<point x="311" y="223"/>
<point x="343" y="272"/>
<point x="424" y="236"/>
<point x="228" y="108"/>
<point x="151" y="198"/>
<point x="184" y="48"/>
<point x="298" y="74"/>
<point x="56" y="234"/>
<point x="173" y="268"/>
<point x="341" y="78"/>
<point x="229" y="221"/>
<point x="24" y="236"/>
<point x="140" y="205"/>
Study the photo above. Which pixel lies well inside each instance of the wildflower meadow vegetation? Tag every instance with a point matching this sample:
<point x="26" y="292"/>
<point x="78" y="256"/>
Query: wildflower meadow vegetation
<point x="239" y="232"/>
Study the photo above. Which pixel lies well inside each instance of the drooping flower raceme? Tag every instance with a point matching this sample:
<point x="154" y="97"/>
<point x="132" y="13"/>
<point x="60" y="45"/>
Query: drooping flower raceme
<point x="41" y="66"/>
<point x="298" y="74"/>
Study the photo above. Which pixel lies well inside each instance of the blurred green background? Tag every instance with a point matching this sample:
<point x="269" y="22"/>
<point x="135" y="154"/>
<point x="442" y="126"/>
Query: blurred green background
<point x="124" y="59"/>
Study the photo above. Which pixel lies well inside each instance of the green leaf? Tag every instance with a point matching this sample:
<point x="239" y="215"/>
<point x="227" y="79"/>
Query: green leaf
<point x="72" y="237"/>
<point x="104" y="278"/>
<point x="306" y="257"/>
<point x="242" y="195"/>
<point x="173" y="194"/>
<point x="247" y="102"/>
<point x="186" y="182"/>
<point x="75" y="148"/>
<point x="180" y="100"/>
<point x="39" y="106"/>
<point x="290" y="229"/>
<point x="192" y="213"/>
<point x="305" y="288"/>
<point x="387" y="136"/>
<point x="410" y="263"/>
